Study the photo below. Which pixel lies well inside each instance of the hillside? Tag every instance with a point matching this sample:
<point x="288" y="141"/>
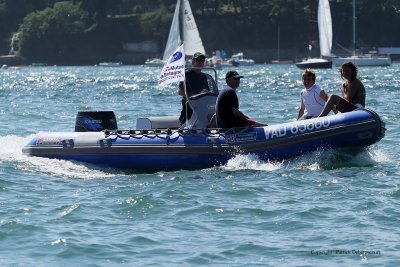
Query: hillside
<point x="86" y="32"/>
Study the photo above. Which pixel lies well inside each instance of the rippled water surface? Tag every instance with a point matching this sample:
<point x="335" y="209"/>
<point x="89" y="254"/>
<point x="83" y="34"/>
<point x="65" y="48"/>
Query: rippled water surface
<point x="322" y="209"/>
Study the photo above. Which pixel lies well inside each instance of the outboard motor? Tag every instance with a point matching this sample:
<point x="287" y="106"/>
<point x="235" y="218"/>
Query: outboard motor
<point x="95" y="121"/>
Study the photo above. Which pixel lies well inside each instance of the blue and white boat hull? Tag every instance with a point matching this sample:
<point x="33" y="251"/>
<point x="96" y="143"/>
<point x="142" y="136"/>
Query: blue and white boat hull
<point x="164" y="149"/>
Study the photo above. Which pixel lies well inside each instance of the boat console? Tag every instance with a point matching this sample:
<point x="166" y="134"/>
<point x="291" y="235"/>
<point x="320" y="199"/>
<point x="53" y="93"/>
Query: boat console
<point x="203" y="106"/>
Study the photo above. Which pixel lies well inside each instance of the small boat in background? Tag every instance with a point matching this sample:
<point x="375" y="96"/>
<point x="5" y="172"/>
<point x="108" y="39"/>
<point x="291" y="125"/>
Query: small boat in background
<point x="110" y="64"/>
<point x="314" y="63"/>
<point x="39" y="64"/>
<point x="281" y="61"/>
<point x="218" y="62"/>
<point x="154" y="62"/>
<point x="370" y="59"/>
<point x="238" y="60"/>
<point x="214" y="62"/>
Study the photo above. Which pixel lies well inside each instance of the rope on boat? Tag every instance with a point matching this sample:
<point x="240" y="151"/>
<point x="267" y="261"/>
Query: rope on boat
<point x="168" y="132"/>
<point x="212" y="134"/>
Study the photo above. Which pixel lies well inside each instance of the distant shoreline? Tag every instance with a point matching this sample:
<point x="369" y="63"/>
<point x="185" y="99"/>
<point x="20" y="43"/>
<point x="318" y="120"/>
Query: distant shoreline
<point x="260" y="57"/>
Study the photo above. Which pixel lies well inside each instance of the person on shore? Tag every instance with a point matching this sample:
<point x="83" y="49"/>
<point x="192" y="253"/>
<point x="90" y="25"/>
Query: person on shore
<point x="312" y="97"/>
<point x="196" y="82"/>
<point x="353" y="92"/>
<point x="228" y="114"/>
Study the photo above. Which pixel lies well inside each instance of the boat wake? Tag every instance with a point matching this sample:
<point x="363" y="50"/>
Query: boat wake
<point x="251" y="162"/>
<point x="318" y="160"/>
<point x="335" y="159"/>
<point x="11" y="154"/>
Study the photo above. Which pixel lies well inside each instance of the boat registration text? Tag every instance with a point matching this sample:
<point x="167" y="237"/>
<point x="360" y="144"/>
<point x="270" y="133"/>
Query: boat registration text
<point x="297" y="127"/>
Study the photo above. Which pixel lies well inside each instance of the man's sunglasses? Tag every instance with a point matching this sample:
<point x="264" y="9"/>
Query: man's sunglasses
<point x="200" y="60"/>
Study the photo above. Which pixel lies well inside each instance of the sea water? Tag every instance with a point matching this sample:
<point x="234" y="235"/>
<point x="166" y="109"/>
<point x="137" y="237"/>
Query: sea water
<point x="321" y="209"/>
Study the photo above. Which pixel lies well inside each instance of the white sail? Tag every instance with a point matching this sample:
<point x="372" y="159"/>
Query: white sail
<point x="191" y="37"/>
<point x="325" y="28"/>
<point x="325" y="39"/>
<point x="174" y="38"/>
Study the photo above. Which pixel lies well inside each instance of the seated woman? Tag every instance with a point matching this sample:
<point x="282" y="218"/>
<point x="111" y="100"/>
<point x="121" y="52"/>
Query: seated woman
<point x="353" y="92"/>
<point x="313" y="98"/>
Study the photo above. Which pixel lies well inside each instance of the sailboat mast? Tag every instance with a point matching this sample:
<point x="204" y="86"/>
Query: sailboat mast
<point x="354" y="27"/>
<point x="279" y="42"/>
<point x="182" y="22"/>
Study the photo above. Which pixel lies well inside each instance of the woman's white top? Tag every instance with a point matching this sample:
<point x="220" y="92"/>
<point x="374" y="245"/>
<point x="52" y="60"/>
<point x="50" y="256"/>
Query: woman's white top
<point x="313" y="103"/>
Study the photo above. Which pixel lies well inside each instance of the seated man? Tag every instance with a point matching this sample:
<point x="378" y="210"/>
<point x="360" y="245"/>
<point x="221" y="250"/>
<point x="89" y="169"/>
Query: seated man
<point x="196" y="82"/>
<point x="228" y="114"/>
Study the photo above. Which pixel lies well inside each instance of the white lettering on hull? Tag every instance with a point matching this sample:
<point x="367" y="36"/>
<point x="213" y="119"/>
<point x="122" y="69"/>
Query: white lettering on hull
<point x="297" y="127"/>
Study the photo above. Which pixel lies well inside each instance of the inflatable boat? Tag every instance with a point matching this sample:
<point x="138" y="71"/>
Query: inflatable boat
<point x="160" y="143"/>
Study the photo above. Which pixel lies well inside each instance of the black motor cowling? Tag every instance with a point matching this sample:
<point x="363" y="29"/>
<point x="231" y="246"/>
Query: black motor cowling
<point x="95" y="121"/>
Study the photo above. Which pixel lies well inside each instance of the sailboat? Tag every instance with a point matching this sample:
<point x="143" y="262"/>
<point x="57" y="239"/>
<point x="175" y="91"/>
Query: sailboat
<point x="361" y="60"/>
<point x="279" y="60"/>
<point x="238" y="60"/>
<point x="183" y="27"/>
<point x="325" y="39"/>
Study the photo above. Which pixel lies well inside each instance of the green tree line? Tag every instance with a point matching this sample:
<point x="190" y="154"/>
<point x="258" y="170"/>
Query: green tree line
<point x="85" y="31"/>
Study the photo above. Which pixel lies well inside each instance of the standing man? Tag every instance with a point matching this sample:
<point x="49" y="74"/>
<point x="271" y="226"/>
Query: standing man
<point x="196" y="82"/>
<point x="227" y="109"/>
